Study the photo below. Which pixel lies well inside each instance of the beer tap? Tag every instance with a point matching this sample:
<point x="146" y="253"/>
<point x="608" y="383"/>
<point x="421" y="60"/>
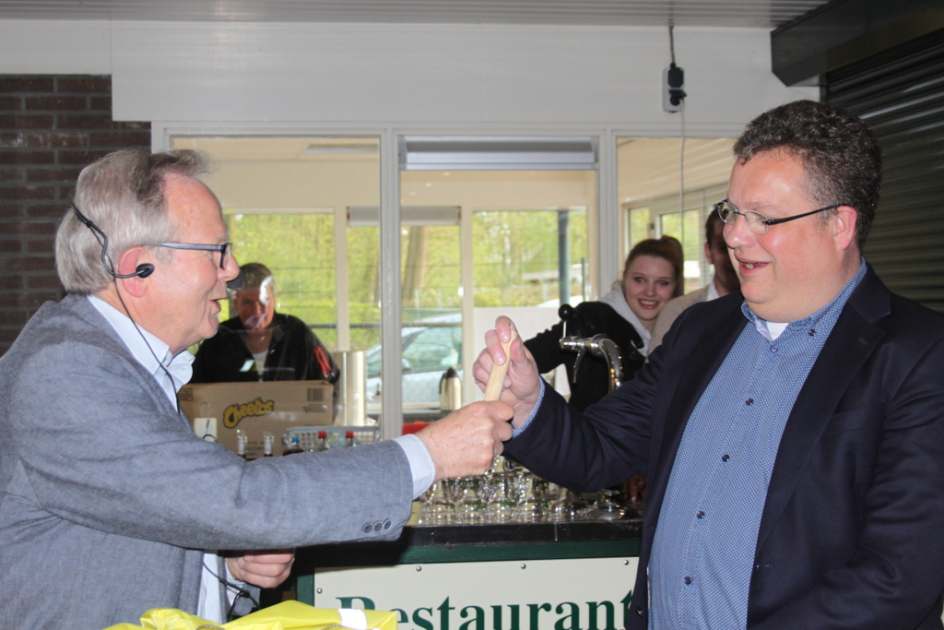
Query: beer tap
<point x="598" y="345"/>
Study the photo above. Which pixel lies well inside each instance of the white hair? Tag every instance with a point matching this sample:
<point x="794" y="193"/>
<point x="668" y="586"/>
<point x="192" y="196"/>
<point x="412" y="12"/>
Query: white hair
<point x="123" y="195"/>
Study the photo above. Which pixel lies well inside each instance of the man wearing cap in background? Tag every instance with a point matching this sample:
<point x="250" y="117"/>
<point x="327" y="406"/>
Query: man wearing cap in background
<point x="259" y="344"/>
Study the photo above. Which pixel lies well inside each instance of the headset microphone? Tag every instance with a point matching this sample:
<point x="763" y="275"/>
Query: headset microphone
<point x="141" y="271"/>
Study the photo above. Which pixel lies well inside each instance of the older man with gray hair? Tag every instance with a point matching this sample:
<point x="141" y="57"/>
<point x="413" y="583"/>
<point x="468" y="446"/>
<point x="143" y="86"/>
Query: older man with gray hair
<point x="105" y="501"/>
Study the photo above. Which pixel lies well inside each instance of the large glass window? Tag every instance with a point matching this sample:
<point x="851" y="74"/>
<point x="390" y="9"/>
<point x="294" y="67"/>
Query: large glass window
<point x="286" y="202"/>
<point x="303" y="263"/>
<point x="472" y="243"/>
<point x="651" y="177"/>
<point x="479" y="242"/>
<point x="521" y="257"/>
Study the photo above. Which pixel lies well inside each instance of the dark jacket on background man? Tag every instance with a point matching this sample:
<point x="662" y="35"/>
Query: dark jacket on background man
<point x="295" y="353"/>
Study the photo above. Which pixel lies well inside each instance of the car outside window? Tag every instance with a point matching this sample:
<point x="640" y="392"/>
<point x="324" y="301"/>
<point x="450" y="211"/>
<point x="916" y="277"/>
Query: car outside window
<point x="426" y="353"/>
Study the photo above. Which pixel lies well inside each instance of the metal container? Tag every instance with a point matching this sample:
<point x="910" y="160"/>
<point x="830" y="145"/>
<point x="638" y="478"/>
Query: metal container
<point x="352" y="388"/>
<point x="450" y="390"/>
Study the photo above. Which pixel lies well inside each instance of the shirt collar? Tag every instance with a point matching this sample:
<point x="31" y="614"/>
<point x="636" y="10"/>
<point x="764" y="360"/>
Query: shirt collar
<point x="811" y="320"/>
<point x="179" y="366"/>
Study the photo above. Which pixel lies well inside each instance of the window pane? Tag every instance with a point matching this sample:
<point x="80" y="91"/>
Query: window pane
<point x="303" y="263"/>
<point x="526" y="227"/>
<point x="431" y="305"/>
<point x="282" y="197"/>
<point x="648" y="188"/>
<point x="430" y="270"/>
<point x="517" y="257"/>
<point x="639" y="221"/>
<point x="686" y="227"/>
<point x="363" y="272"/>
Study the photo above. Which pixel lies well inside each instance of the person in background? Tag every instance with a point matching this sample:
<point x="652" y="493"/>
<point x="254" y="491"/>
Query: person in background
<point x="259" y="344"/>
<point x="792" y="434"/>
<point x="651" y="277"/>
<point x="723" y="281"/>
<point x="109" y="504"/>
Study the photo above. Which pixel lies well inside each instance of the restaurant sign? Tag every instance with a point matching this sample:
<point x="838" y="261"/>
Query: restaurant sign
<point x="575" y="594"/>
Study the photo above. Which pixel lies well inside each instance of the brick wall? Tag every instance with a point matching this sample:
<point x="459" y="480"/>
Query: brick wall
<point x="50" y="127"/>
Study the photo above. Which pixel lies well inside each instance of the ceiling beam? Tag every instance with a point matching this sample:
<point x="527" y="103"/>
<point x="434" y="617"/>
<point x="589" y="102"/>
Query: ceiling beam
<point x="844" y="32"/>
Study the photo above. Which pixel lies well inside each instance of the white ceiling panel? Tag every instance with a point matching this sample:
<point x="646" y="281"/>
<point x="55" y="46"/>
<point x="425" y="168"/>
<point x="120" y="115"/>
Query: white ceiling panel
<point x="739" y="13"/>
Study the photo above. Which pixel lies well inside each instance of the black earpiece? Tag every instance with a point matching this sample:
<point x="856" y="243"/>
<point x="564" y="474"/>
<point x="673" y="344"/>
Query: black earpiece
<point x="141" y="271"/>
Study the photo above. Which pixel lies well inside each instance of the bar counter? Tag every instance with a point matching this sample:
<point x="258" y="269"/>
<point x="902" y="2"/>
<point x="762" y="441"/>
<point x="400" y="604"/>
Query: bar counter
<point x="523" y="576"/>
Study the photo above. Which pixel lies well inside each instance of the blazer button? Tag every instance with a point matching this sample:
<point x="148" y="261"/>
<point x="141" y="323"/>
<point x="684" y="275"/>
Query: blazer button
<point x="377" y="526"/>
<point x="387" y="524"/>
<point x="366" y="528"/>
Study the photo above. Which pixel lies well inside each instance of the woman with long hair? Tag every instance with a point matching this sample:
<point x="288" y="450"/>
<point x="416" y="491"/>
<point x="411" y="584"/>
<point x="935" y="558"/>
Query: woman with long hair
<point x="652" y="275"/>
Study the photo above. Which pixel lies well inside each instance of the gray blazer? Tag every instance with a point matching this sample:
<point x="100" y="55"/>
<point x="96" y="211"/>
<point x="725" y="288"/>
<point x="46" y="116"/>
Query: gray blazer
<point x="108" y="500"/>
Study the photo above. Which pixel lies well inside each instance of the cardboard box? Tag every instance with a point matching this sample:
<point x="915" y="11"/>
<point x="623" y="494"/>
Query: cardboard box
<point x="256" y="408"/>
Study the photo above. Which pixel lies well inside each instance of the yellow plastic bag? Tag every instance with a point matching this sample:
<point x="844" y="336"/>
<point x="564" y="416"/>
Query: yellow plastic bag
<point x="290" y="615"/>
<point x="168" y="619"/>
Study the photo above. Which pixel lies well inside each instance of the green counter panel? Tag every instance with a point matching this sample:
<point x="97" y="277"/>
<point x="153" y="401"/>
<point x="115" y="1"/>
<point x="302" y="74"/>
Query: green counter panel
<point x="428" y="545"/>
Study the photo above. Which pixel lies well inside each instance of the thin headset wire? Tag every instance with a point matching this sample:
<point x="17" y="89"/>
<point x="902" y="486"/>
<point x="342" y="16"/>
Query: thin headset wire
<point x="160" y="363"/>
<point x="109" y="265"/>
<point x="102" y="239"/>
<point x="240" y="591"/>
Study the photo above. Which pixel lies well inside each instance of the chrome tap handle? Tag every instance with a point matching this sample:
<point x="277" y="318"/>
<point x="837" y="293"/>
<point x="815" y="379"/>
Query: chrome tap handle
<point x="578" y="345"/>
<point x="580" y="355"/>
<point x="607" y="348"/>
<point x="601" y="346"/>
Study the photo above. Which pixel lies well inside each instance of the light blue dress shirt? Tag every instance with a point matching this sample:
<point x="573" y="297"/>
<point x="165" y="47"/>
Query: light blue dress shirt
<point x="705" y="542"/>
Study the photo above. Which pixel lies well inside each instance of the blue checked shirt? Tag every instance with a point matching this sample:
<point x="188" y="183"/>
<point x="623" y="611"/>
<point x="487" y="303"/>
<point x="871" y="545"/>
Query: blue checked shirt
<point x="703" y="552"/>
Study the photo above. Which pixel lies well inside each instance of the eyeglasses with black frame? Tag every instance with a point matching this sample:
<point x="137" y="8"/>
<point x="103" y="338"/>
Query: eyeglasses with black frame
<point x="757" y="222"/>
<point x="222" y="248"/>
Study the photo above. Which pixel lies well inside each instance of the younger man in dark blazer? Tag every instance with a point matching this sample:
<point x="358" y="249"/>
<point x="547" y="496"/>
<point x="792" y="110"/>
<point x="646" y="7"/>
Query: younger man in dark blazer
<point x="793" y="439"/>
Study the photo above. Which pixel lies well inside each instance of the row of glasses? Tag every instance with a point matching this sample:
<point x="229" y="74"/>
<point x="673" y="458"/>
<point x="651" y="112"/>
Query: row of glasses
<point x="511" y="494"/>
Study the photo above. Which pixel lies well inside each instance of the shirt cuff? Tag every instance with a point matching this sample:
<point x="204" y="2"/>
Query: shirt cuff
<point x="422" y="468"/>
<point x="534" y="411"/>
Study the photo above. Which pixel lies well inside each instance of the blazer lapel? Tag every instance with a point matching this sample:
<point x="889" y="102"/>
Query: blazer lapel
<point x="852" y="340"/>
<point x="84" y="309"/>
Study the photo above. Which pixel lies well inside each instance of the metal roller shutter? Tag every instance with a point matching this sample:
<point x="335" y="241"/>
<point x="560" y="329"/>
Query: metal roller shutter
<point x="902" y="99"/>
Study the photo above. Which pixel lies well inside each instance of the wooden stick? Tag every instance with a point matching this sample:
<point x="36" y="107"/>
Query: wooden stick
<point x="496" y="378"/>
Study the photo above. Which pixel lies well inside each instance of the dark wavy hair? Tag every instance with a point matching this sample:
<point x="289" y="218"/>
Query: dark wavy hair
<point x="840" y="154"/>
<point x="668" y="248"/>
